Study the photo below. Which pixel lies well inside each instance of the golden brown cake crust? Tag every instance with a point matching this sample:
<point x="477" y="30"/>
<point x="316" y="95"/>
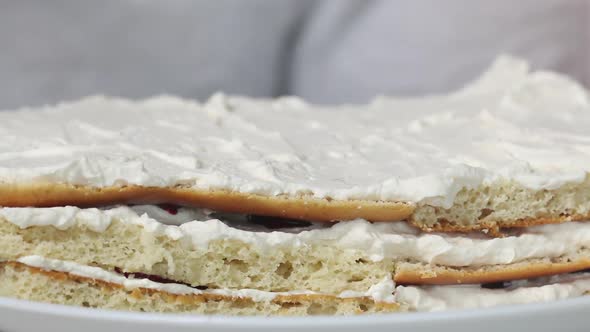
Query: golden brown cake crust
<point x="304" y="207"/>
<point x="421" y="274"/>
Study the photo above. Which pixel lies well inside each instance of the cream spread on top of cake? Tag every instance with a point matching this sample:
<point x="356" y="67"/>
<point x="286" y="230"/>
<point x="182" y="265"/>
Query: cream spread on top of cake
<point x="375" y="241"/>
<point x="510" y="124"/>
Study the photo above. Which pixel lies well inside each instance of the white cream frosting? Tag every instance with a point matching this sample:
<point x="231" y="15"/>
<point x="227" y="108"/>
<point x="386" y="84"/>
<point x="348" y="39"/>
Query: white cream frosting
<point x="380" y="292"/>
<point x="437" y="298"/>
<point x="377" y="241"/>
<point x="511" y="124"/>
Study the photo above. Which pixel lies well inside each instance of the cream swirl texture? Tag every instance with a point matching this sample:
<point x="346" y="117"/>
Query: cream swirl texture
<point x="510" y="124"/>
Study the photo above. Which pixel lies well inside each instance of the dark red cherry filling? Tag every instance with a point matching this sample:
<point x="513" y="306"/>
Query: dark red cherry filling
<point x="172" y="209"/>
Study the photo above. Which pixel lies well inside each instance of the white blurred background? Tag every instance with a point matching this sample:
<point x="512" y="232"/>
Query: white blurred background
<point x="325" y="51"/>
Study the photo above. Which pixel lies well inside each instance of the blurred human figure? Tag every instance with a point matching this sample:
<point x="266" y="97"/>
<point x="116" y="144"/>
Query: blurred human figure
<point x="328" y="51"/>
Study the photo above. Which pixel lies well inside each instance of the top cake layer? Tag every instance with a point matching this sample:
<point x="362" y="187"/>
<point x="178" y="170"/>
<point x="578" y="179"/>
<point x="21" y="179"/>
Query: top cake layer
<point x="509" y="125"/>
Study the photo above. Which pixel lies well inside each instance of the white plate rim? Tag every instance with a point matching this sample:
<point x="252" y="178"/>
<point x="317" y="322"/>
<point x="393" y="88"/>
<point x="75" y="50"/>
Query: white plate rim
<point x="65" y="311"/>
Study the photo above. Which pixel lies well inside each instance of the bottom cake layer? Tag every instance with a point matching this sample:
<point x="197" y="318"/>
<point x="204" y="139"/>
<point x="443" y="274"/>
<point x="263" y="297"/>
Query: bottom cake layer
<point x="22" y="281"/>
<point x="46" y="280"/>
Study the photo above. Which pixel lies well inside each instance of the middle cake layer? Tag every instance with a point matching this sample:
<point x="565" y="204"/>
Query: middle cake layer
<point x="186" y="245"/>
